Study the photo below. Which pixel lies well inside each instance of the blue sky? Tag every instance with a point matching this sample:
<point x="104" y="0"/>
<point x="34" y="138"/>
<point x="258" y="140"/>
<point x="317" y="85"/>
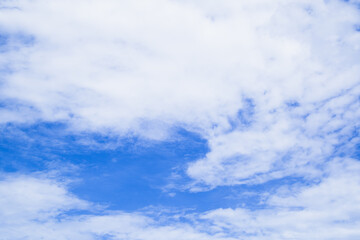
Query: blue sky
<point x="127" y="177"/>
<point x="191" y="120"/>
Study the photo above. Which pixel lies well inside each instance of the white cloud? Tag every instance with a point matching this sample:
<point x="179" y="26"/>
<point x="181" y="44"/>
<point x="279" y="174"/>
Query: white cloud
<point x="272" y="85"/>
<point x="144" y="67"/>
<point x="327" y="210"/>
<point x="39" y="208"/>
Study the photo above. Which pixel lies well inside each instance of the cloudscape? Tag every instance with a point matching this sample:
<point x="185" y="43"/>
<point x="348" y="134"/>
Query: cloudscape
<point x="179" y="120"/>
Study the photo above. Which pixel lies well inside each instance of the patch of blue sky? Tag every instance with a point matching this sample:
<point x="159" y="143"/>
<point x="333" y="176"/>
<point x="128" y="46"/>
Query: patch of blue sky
<point x="292" y="104"/>
<point x="13" y="41"/>
<point x="244" y="116"/>
<point x="3" y="40"/>
<point x="129" y="177"/>
<point x="357" y="27"/>
<point x="349" y="146"/>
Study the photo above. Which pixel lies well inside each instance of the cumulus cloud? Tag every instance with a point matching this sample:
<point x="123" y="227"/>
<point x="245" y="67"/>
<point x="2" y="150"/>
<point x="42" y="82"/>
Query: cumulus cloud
<point x="36" y="208"/>
<point x="273" y="86"/>
<point x="144" y="67"/>
<point x="294" y="141"/>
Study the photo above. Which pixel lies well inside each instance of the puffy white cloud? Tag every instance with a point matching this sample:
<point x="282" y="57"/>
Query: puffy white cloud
<point x="39" y="208"/>
<point x="144" y="67"/>
<point x="273" y="86"/>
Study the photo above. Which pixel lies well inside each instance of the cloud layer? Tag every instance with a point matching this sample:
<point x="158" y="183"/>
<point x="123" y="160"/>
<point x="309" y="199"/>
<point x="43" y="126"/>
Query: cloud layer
<point x="272" y="86"/>
<point x="261" y="81"/>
